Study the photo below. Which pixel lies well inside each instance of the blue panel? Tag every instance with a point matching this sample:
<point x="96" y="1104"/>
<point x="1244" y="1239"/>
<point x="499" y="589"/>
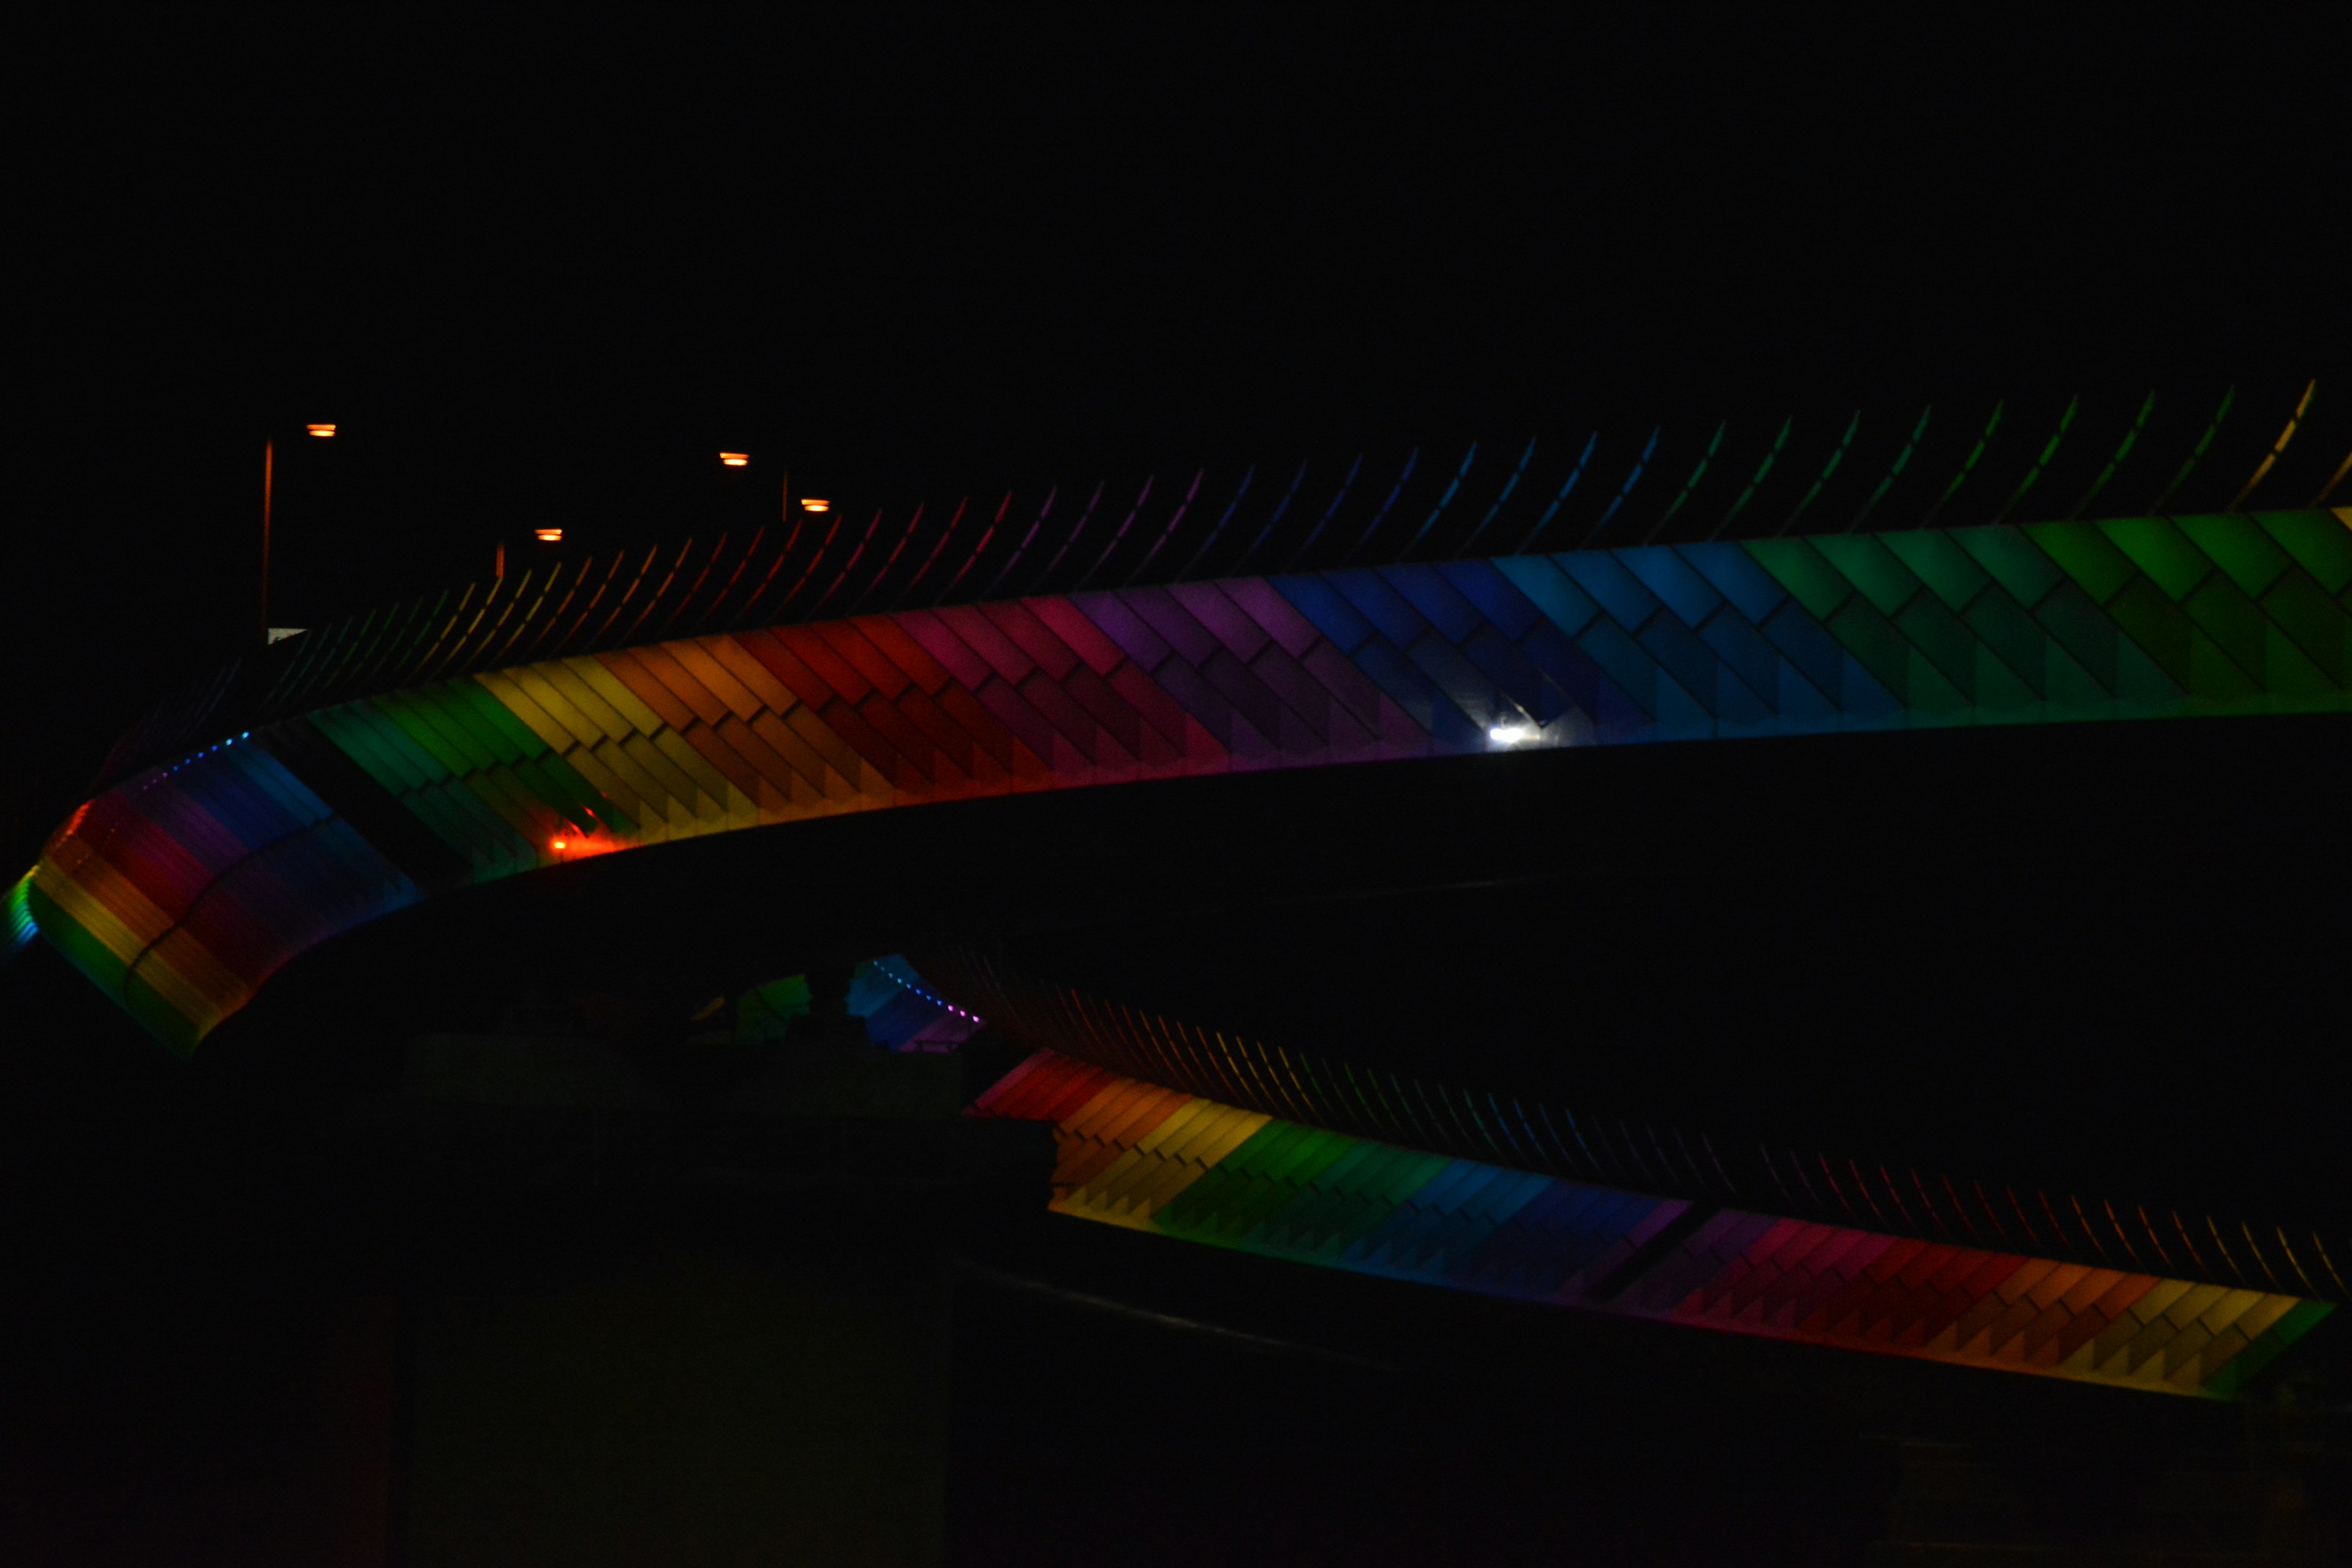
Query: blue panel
<point x="1671" y="578"/>
<point x="1395" y="618"/>
<point x="1550" y="590"/>
<point x="1328" y="609"/>
<point x="1619" y="591"/>
<point x="1735" y="573"/>
<point x="1429" y="593"/>
<point x="1492" y="593"/>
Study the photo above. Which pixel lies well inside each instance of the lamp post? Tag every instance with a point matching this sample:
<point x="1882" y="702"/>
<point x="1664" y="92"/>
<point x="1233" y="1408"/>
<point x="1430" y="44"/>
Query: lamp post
<point x="322" y="432"/>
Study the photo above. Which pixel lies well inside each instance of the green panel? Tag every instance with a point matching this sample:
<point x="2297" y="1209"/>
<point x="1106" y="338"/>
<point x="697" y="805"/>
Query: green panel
<point x="1242" y="1190"/>
<point x="355" y="729"/>
<point x="2217" y="683"/>
<point x="463" y="822"/>
<point x="2086" y="555"/>
<point x="1950" y="572"/>
<point x="2293" y="682"/>
<point x="2316" y="622"/>
<point x="463" y="705"/>
<point x="1941" y="635"/>
<point x="1930" y="696"/>
<point x="1390" y="1176"/>
<point x="2013" y="559"/>
<point x="74" y="942"/>
<point x="2319" y="542"/>
<point x="1876" y="646"/>
<point x="2268" y="1346"/>
<point x="1794" y="564"/>
<point x="2000" y="696"/>
<point x="2234" y="622"/>
<point x="376" y="727"/>
<point x="2162" y="550"/>
<point x="2011" y="634"/>
<point x="2161" y="628"/>
<point x="2069" y="616"/>
<point x="2143" y="690"/>
<point x="425" y="712"/>
<point x="400" y="708"/>
<point x="2071" y="694"/>
<point x="163" y="1020"/>
<point x="562" y="781"/>
<point x="1871" y="567"/>
<point x="2240" y="547"/>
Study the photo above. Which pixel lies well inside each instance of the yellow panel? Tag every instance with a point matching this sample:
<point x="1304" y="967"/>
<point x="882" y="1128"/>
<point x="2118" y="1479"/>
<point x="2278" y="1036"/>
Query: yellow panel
<point x="1092" y="1119"/>
<point x="758" y="682"/>
<point x="617" y="696"/>
<point x="522" y="810"/>
<point x="793" y="747"/>
<point x="2228" y="1310"/>
<point x="190" y="964"/>
<point x="81" y="904"/>
<point x="2193" y="1304"/>
<point x="764" y="760"/>
<point x="660" y="661"/>
<point x="696" y="767"/>
<point x="564" y="694"/>
<point x="533" y="716"/>
<point x="608" y="783"/>
<point x="678" y="788"/>
<point x="653" y="791"/>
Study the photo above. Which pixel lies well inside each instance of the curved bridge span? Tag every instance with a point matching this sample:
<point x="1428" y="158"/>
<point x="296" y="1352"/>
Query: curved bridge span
<point x="520" y="732"/>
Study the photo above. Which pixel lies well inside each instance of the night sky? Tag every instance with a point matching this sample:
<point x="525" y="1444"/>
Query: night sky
<point x="540" y="266"/>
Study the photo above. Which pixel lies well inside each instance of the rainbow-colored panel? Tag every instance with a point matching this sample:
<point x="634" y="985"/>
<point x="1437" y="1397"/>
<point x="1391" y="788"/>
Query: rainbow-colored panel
<point x="181" y="890"/>
<point x="1160" y="1160"/>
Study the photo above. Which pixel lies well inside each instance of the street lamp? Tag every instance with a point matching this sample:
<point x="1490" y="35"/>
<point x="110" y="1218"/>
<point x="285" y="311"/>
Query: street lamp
<point x="268" y="489"/>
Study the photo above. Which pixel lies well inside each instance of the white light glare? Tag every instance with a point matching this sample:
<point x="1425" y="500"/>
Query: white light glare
<point x="1512" y="734"/>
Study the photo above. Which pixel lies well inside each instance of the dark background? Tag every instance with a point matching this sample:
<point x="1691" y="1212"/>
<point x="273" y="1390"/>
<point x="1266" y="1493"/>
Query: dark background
<point x="540" y="266"/>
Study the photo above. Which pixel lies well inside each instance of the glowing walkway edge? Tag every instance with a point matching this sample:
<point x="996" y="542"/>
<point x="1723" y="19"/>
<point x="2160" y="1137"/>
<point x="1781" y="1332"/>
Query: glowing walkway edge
<point x="1157" y="1160"/>
<point x="182" y="890"/>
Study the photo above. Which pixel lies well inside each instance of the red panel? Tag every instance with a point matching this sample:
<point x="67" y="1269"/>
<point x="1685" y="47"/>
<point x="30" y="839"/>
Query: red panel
<point x="811" y="647"/>
<point x="1029" y="634"/>
<point x="865" y="658"/>
<point x="890" y="639"/>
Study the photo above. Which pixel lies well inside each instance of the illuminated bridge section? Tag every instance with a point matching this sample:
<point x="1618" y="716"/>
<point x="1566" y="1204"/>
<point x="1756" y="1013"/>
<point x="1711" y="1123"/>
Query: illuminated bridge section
<point x="184" y="887"/>
<point x="1162" y="1161"/>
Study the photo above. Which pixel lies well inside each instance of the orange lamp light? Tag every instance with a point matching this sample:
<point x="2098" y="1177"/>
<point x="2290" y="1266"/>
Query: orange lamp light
<point x="549" y="535"/>
<point x="734" y="459"/>
<point x="558" y="843"/>
<point x="320" y="430"/>
<point x="812" y="504"/>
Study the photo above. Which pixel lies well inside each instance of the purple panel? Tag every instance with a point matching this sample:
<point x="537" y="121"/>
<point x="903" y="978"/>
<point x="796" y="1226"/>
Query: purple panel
<point x="1263" y="604"/>
<point x="1111" y="616"/>
<point x="1069" y="621"/>
<point x="1299" y="691"/>
<point x="1223" y="618"/>
<point x="1175" y="623"/>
